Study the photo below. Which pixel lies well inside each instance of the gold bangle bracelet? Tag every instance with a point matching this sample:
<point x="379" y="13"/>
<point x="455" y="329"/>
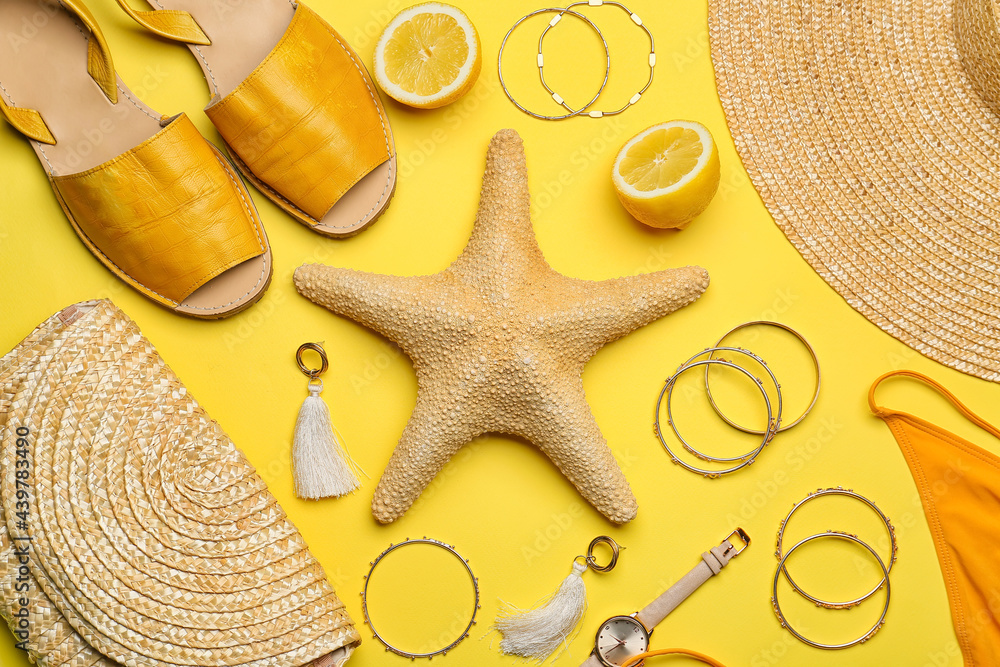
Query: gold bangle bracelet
<point x="364" y="598"/>
<point x="781" y="567"/>
<point x="809" y="348"/>
<point x="849" y="493"/>
<point x="559" y="11"/>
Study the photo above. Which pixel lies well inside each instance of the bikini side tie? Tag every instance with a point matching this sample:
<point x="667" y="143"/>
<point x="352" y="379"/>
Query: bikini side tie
<point x="959" y="485"/>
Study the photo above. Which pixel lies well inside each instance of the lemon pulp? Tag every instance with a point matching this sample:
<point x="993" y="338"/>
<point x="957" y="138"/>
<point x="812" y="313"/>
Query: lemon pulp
<point x="661" y="159"/>
<point x="426" y="53"/>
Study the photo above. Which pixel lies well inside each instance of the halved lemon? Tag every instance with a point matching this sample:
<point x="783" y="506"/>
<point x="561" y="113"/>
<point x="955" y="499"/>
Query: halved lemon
<point x="428" y="56"/>
<point x="667" y="174"/>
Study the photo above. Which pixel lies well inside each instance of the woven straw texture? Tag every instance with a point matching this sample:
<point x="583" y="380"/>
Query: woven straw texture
<point x="871" y="130"/>
<point x="152" y="539"/>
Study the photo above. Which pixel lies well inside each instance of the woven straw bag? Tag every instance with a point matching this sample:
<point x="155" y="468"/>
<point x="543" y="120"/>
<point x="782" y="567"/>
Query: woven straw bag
<point x="132" y="530"/>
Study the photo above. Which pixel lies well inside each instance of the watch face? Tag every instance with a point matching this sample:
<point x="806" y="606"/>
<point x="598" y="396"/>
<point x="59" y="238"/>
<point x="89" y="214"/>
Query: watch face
<point x="620" y="638"/>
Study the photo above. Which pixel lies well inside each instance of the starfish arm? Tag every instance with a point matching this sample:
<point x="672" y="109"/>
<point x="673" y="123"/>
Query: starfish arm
<point x="394" y="306"/>
<point x="602" y="311"/>
<point x="503" y="240"/>
<point x="564" y="428"/>
<point x="438" y="428"/>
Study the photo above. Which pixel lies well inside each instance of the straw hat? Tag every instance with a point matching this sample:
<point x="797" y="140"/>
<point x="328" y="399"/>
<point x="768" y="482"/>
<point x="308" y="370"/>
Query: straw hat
<point x="152" y="539"/>
<point x="871" y="130"/>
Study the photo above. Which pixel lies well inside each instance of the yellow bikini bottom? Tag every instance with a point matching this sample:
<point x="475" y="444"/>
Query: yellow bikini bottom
<point x="959" y="486"/>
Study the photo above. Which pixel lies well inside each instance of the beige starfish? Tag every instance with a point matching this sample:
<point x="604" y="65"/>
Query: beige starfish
<point x="499" y="340"/>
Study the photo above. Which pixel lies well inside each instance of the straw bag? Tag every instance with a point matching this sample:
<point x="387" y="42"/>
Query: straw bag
<point x="132" y="530"/>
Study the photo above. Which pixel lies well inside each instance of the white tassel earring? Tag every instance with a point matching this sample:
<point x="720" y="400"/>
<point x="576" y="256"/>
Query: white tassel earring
<point x="321" y="466"/>
<point x="538" y="632"/>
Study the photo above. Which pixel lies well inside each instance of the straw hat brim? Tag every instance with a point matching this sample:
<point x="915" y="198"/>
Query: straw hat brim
<point x="877" y="157"/>
<point x="153" y="541"/>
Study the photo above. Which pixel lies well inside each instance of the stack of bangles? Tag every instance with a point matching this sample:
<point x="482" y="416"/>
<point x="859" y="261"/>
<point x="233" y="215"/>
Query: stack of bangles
<point x="540" y="60"/>
<point x="707" y="359"/>
<point x="782" y="568"/>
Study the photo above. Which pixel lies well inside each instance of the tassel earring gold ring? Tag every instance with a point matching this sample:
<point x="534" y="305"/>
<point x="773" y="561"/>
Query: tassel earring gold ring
<point x="538" y="632"/>
<point x="321" y="466"/>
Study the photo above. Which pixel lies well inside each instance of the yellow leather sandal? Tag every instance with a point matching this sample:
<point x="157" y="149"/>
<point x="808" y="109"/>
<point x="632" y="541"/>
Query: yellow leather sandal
<point x="155" y="202"/>
<point x="293" y="103"/>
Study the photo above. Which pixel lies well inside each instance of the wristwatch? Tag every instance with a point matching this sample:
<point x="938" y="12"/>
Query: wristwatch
<point x="622" y="637"/>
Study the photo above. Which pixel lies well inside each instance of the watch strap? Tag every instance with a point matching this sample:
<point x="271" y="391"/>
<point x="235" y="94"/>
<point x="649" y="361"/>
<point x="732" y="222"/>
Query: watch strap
<point x="712" y="562"/>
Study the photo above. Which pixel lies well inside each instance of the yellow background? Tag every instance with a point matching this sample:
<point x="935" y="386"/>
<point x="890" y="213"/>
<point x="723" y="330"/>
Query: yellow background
<point x="508" y="510"/>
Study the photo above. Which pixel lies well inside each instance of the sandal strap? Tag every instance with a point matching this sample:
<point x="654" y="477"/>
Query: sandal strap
<point x="166" y="216"/>
<point x="170" y="23"/>
<point x="100" y="66"/>
<point x="99" y="63"/>
<point x="28" y="122"/>
<point x="307" y="121"/>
